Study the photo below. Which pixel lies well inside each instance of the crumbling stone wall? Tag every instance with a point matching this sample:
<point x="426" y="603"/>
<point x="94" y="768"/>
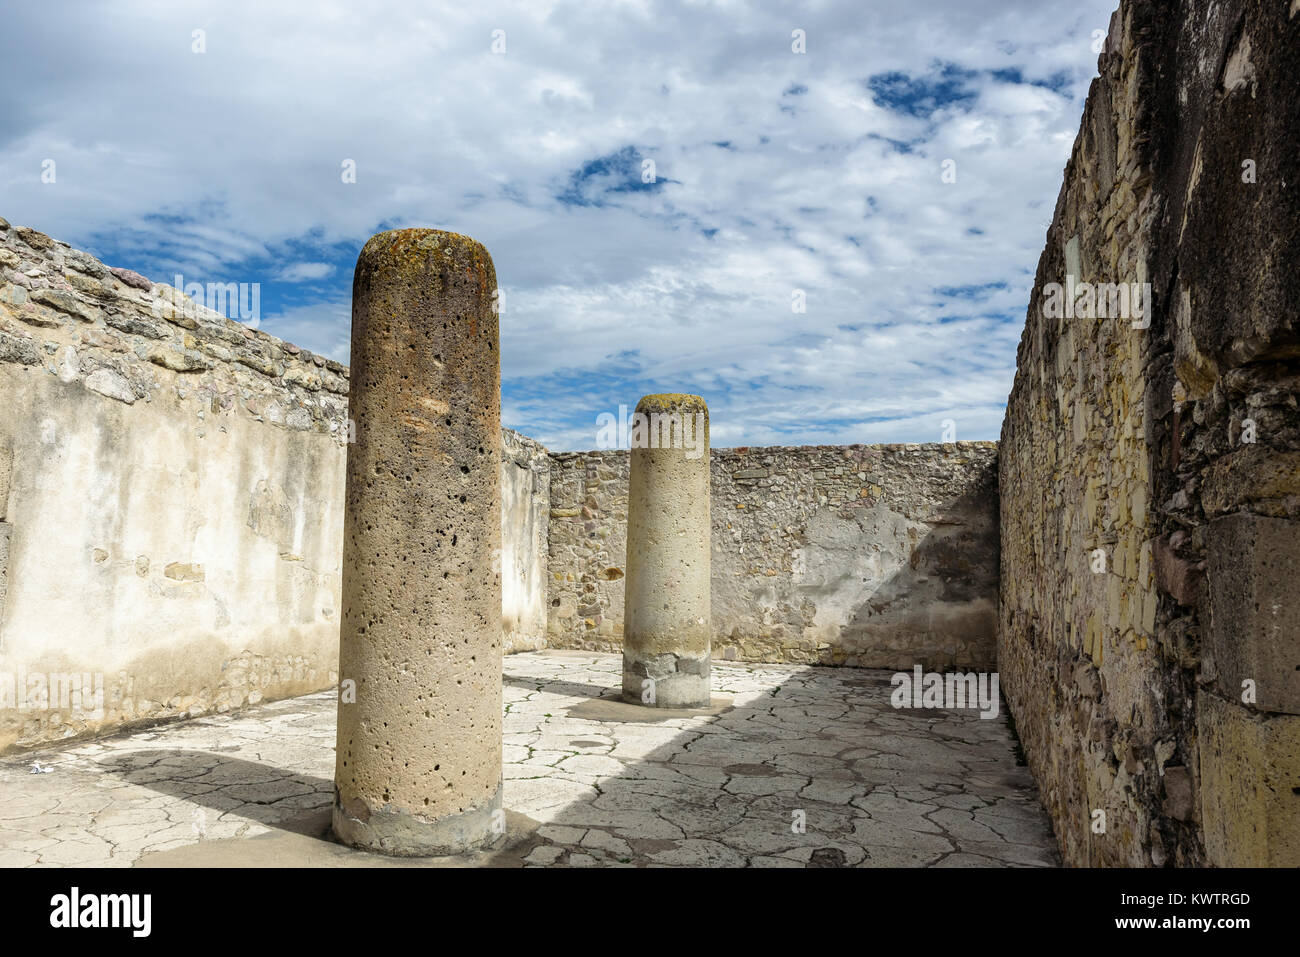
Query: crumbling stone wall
<point x="171" y="493"/>
<point x="1150" y="465"/>
<point x="870" y="556"/>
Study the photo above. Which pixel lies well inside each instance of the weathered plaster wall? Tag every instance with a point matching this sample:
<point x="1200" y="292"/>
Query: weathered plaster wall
<point x="172" y="502"/>
<point x="874" y="556"/>
<point x="171" y="490"/>
<point x="525" y="528"/>
<point x="1149" y="531"/>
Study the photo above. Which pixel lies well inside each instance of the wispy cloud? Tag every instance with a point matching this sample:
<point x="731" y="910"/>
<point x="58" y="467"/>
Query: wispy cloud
<point x="301" y="272"/>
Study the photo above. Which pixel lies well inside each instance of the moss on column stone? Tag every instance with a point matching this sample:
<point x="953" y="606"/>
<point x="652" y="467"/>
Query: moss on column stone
<point x="666" y="656"/>
<point x="418" y="767"/>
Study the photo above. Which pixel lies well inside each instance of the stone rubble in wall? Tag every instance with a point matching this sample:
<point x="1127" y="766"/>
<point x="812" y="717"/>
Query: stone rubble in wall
<point x="127" y="339"/>
<point x="524" y="452"/>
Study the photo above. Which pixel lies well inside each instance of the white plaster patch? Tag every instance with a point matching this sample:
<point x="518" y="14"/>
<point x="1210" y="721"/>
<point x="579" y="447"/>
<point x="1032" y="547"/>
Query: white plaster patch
<point x="1073" y="261"/>
<point x="68" y="368"/>
<point x="109" y="383"/>
<point x="1239" y="72"/>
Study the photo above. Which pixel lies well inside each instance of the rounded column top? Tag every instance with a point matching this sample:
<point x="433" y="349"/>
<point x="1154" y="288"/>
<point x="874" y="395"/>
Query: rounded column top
<point x="408" y="252"/>
<point x="672" y="402"/>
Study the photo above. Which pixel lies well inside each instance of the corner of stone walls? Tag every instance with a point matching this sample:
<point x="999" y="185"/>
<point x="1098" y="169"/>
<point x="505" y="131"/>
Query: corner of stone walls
<point x="144" y="422"/>
<point x="870" y="556"/>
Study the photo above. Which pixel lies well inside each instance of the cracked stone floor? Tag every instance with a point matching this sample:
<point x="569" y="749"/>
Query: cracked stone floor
<point x="584" y="785"/>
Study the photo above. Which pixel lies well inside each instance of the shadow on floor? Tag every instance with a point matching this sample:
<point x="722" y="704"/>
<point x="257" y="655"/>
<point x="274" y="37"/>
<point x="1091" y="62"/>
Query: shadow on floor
<point x="301" y="836"/>
<point x="874" y="786"/>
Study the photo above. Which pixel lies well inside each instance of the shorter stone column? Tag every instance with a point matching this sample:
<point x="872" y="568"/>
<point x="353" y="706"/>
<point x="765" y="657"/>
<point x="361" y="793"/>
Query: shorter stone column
<point x="666" y="619"/>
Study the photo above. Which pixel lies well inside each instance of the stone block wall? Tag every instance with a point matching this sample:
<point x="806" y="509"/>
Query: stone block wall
<point x="1150" y="465"/>
<point x="873" y="556"/>
<point x="171" y="493"/>
<point x="587" y="551"/>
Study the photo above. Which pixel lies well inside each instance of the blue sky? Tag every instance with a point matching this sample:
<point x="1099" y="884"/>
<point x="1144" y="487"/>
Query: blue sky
<point x="775" y="171"/>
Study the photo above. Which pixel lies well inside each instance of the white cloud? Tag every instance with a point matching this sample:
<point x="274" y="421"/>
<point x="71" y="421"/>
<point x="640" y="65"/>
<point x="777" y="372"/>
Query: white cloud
<point x="229" y="162"/>
<point x="301" y="272"/>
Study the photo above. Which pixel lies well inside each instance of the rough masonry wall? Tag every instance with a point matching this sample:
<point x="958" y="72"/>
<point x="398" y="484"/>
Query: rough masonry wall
<point x="171" y="491"/>
<point x="870" y="556"/>
<point x="1150" y="477"/>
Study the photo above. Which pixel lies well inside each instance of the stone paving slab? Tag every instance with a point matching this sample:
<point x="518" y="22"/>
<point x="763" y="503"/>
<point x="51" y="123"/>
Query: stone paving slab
<point x="871" y="785"/>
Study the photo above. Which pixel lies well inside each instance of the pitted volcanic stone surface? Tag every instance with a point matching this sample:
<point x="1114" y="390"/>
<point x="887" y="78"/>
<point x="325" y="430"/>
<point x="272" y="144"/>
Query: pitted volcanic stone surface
<point x="421" y="629"/>
<point x="666" y="632"/>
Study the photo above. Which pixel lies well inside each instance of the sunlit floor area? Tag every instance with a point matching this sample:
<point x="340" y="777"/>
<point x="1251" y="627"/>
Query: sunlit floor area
<point x="793" y="767"/>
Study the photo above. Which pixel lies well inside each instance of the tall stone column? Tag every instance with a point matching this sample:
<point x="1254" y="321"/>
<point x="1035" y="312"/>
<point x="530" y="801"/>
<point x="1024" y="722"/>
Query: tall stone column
<point x="666" y="604"/>
<point x="418" y="764"/>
